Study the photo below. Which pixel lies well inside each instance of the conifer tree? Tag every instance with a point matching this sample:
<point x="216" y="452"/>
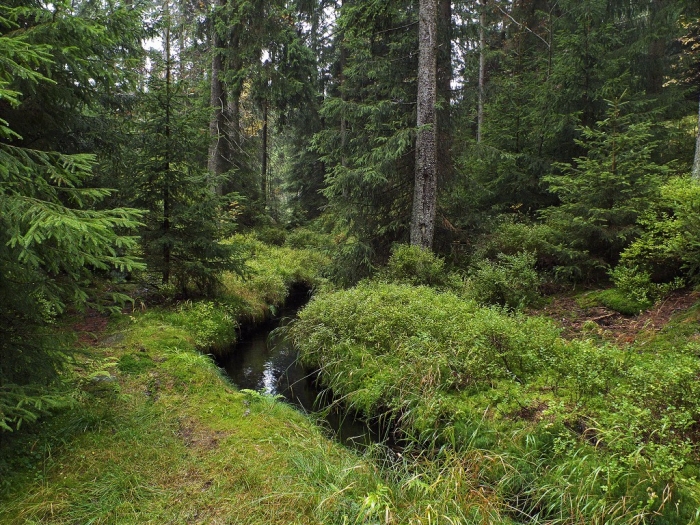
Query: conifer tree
<point x="51" y="236"/>
<point x="604" y="192"/>
<point x="187" y="219"/>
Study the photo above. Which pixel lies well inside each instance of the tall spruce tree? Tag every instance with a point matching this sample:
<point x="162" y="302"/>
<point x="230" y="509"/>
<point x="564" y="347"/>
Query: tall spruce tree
<point x="367" y="143"/>
<point x="187" y="218"/>
<point x="52" y="237"/>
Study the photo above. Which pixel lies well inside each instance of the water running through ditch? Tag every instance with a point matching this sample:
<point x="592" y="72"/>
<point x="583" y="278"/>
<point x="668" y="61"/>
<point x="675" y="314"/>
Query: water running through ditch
<point x="266" y="361"/>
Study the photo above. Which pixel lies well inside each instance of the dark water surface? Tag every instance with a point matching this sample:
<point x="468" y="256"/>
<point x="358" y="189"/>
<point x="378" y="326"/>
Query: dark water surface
<point x="266" y="361"/>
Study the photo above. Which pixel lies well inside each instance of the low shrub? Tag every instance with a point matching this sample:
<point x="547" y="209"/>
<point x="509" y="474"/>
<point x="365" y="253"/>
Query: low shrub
<point x="270" y="271"/>
<point x="669" y="245"/>
<point x="212" y="324"/>
<point x="510" y="281"/>
<point x="272" y="235"/>
<point x="598" y="432"/>
<point x="304" y="238"/>
<point x="415" y="343"/>
<point x="634" y="291"/>
<point x="552" y="254"/>
<point x="418" y="266"/>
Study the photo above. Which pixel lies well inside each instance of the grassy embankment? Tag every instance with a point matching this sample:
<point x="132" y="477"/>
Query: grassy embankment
<point x="158" y="436"/>
<point x="553" y="430"/>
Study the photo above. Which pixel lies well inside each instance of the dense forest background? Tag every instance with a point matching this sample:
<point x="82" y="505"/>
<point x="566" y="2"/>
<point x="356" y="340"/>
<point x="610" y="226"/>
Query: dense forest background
<point x="136" y="137"/>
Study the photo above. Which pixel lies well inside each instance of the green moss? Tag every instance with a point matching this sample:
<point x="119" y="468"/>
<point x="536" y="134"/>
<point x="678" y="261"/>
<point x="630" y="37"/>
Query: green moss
<point x="620" y="302"/>
<point x="135" y="363"/>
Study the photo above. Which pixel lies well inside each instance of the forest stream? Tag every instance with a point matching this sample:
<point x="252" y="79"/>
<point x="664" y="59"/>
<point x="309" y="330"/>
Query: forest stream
<point x="265" y="360"/>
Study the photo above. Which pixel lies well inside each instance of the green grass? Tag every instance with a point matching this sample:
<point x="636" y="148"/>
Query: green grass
<point x="157" y="435"/>
<point x="583" y="432"/>
<point x="618" y="301"/>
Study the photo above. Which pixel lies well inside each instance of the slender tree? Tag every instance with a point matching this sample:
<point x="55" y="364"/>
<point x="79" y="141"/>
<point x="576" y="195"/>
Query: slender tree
<point x="482" y="72"/>
<point x="696" y="163"/>
<point x="219" y="152"/>
<point x="186" y="219"/>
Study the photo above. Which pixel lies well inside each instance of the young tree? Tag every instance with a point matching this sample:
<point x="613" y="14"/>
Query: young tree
<point x="187" y="220"/>
<point x="604" y="192"/>
<point x="51" y="236"/>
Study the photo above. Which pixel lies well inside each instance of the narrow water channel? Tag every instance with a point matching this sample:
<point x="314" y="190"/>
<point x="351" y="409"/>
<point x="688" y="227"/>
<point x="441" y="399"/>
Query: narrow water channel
<point x="266" y="361"/>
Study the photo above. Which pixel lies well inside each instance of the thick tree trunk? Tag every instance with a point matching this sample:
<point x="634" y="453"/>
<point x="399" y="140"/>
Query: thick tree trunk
<point x="217" y="128"/>
<point x="695" y="173"/>
<point x="425" y="192"/>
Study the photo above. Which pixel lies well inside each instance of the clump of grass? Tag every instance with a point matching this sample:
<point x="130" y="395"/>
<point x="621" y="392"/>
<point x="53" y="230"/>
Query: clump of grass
<point x="585" y="432"/>
<point x="620" y="302"/>
<point x="270" y="273"/>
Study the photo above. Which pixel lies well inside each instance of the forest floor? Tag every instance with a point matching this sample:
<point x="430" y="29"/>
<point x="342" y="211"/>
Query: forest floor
<point x="157" y="435"/>
<point x="582" y="318"/>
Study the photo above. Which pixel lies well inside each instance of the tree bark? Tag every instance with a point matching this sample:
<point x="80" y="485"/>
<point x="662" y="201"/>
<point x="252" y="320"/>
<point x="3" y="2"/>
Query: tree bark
<point x="425" y="191"/>
<point x="695" y="173"/>
<point x="444" y="91"/>
<point x="265" y="186"/>
<point x="217" y="163"/>
<point x="482" y="72"/>
<point x="168" y="144"/>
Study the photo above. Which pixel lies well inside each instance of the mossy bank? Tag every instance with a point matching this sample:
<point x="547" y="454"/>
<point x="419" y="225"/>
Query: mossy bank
<point x="156" y="435"/>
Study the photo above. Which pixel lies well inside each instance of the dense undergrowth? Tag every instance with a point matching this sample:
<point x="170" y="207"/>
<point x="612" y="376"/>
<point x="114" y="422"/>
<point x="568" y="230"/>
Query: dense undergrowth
<point x="576" y="431"/>
<point x="155" y="434"/>
<point x="503" y="421"/>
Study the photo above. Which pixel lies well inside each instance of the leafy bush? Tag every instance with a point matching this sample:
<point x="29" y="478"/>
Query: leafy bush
<point x="417" y="266"/>
<point x="510" y="237"/>
<point x="510" y="281"/>
<point x="602" y="433"/>
<point x="211" y="324"/>
<point x="269" y="273"/>
<point x="303" y="238"/>
<point x="406" y="345"/>
<point x="670" y="241"/>
<point x="271" y="235"/>
<point x="634" y="291"/>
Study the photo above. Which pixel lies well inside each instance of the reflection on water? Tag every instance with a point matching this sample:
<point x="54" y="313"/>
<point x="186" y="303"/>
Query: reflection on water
<point x="266" y="361"/>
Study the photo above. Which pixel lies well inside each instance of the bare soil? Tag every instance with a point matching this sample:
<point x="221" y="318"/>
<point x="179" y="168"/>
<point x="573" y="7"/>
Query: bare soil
<point x="576" y="317"/>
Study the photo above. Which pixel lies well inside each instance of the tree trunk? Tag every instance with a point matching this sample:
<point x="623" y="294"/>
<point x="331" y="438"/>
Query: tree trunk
<point x="166" y="168"/>
<point x="343" y="59"/>
<point x="482" y="72"/>
<point x="695" y="173"/>
<point x="234" y="139"/>
<point x="444" y="90"/>
<point x="265" y="185"/>
<point x="425" y="191"/>
<point x="217" y="128"/>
